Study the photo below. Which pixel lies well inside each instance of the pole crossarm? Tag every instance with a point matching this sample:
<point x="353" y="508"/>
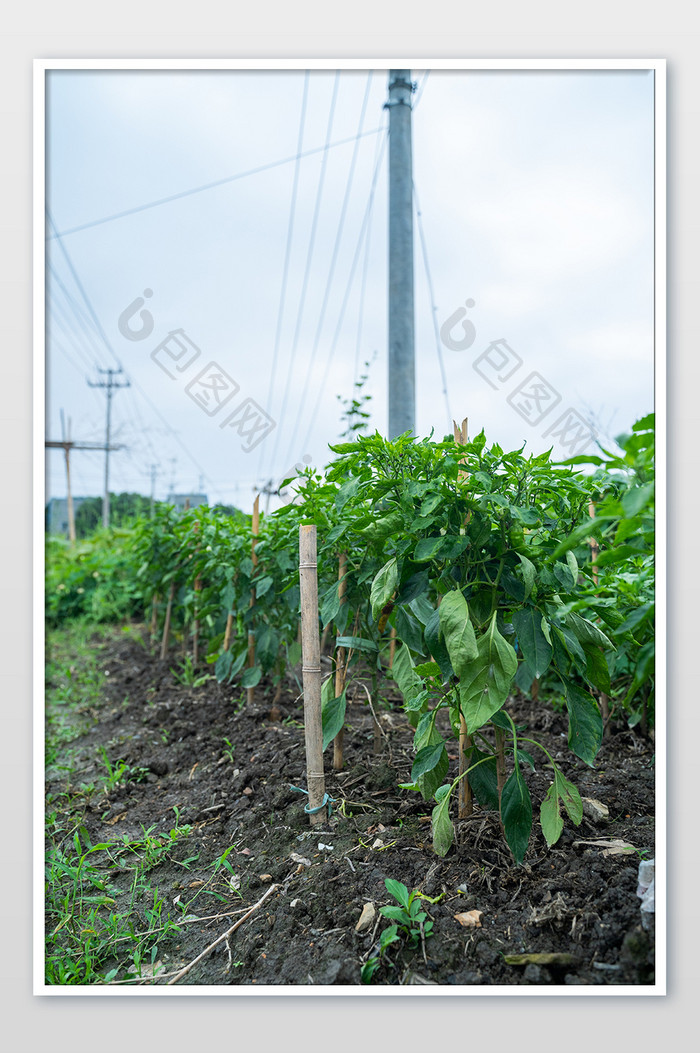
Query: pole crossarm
<point x="54" y="444"/>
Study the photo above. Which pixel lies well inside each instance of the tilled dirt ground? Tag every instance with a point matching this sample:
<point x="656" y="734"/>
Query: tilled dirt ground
<point x="203" y="757"/>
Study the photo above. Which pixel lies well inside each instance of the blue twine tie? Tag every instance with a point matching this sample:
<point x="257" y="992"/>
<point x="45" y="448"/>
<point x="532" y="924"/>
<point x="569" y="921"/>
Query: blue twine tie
<point x="327" y="800"/>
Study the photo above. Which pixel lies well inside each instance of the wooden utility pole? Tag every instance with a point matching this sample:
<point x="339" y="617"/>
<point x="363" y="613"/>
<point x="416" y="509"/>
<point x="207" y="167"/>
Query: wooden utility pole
<point x="154" y="473"/>
<point x="67" y="445"/>
<point x="69" y="494"/>
<point x="109" y="385"/>
<point x="402" y="372"/>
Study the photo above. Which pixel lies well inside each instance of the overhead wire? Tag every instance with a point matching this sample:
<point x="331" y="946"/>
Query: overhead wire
<point x="346" y="296"/>
<point x="202" y="188"/>
<point x="433" y="307"/>
<point x="363" y="280"/>
<point x="111" y="350"/>
<point x="287" y="254"/>
<point x="334" y="257"/>
<point x="307" y="269"/>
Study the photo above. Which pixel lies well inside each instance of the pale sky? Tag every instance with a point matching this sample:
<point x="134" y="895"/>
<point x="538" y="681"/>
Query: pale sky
<point x="536" y="196"/>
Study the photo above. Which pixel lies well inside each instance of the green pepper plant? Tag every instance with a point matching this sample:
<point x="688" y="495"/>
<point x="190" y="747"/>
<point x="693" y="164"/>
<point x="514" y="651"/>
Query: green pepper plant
<point x="471" y="584"/>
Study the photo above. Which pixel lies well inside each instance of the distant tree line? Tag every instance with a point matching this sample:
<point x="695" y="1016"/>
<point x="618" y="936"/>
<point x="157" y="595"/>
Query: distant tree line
<point x="123" y="510"/>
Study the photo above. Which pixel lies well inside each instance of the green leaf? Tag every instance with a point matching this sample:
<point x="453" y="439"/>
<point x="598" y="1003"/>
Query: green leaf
<point x="384" y="586"/>
<point x="585" y="722"/>
<point x="330" y="604"/>
<point x="637" y="498"/>
<point x="357" y="643"/>
<point x="458" y="632"/>
<point x="263" y="586"/>
<point x="550" y="817"/>
<point x="403" y="670"/>
<point x="562" y="572"/>
<point x="428" y="735"/>
<point x="528" y="573"/>
<point x="636" y="618"/>
<point x="516" y="813"/>
<point x="409" y="630"/>
<point x="332" y="718"/>
<point x="427" y="759"/>
<point x="618" y="555"/>
<point x="570" y="797"/>
<point x="427" y="548"/>
<point x="435" y="643"/>
<point x="550" y="820"/>
<point x="485" y="688"/>
<point x="597" y="672"/>
<point x="586" y="632"/>
<point x="483" y="780"/>
<point x="573" y="565"/>
<point x="443" y="830"/>
<point x="252" y="676"/>
<point x="398" y="890"/>
<point x="533" y="642"/>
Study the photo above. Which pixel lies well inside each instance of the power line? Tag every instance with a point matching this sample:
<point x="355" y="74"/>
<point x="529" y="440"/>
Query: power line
<point x="309" y="257"/>
<point x="203" y="187"/>
<point x="339" y="232"/>
<point x="433" y="307"/>
<point x="346" y="297"/>
<point x="287" y="254"/>
<point x="111" y="350"/>
<point x="363" y="280"/>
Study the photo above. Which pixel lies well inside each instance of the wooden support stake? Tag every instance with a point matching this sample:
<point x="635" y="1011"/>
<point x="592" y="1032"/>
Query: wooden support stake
<point x="465" y="804"/>
<point x="250" y="693"/>
<point x="311" y="672"/>
<point x="602" y="697"/>
<point x="166" y="627"/>
<point x="195" y="622"/>
<point x="340" y="667"/>
<point x="500" y="762"/>
<point x="392" y="646"/>
<point x="154" y="616"/>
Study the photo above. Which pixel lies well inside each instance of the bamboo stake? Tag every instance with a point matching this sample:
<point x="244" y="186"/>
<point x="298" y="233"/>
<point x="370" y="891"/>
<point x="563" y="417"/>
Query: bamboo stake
<point x="227" y="633"/>
<point x="166" y="627"/>
<point x="250" y="694"/>
<point x="465" y="805"/>
<point x="195" y="622"/>
<point x="602" y="697"/>
<point x="340" y="667"/>
<point x="311" y="672"/>
<point x="154" y="616"/>
<point x="392" y="646"/>
<point x="500" y="762"/>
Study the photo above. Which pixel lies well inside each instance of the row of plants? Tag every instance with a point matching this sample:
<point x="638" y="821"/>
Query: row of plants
<point x="456" y="570"/>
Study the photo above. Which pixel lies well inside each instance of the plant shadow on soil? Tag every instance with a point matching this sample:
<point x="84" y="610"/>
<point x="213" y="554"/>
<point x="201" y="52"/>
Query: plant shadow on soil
<point x="226" y="769"/>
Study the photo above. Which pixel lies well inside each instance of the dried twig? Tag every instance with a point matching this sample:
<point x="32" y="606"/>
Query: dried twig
<point x="376" y="719"/>
<point x="219" y="939"/>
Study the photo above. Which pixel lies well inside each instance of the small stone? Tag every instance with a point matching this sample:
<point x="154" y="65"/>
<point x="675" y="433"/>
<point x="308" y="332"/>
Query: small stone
<point x="595" y="810"/>
<point x="266" y="878"/>
<point x="470" y="919"/>
<point x="366" y="919"/>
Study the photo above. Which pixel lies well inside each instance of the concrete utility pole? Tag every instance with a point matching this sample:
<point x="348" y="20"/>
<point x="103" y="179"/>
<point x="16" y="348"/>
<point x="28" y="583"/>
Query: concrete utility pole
<point x="154" y="473"/>
<point x="109" y="385"/>
<point x="402" y="372"/>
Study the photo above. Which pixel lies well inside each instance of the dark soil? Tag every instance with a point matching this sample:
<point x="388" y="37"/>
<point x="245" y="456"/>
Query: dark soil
<point x="573" y="900"/>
